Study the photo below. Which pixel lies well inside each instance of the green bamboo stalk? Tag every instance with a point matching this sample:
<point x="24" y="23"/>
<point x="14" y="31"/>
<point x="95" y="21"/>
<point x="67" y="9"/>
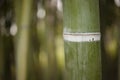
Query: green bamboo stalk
<point x="41" y="33"/>
<point x="83" y="59"/>
<point x="55" y="47"/>
<point x="51" y="19"/>
<point x="23" y="19"/>
<point x="42" y="56"/>
<point x="59" y="46"/>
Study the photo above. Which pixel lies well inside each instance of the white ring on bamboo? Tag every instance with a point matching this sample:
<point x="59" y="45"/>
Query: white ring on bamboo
<point x="82" y="37"/>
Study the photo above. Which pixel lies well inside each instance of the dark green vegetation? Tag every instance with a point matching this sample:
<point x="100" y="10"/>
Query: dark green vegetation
<point x="37" y="50"/>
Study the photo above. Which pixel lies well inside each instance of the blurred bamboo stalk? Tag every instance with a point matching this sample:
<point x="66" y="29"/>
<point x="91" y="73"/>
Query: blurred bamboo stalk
<point x="1" y="58"/>
<point x="23" y="13"/>
<point x="55" y="46"/>
<point x="110" y="24"/>
<point x="59" y="43"/>
<point x="50" y="21"/>
<point x="41" y="33"/>
<point x="51" y="52"/>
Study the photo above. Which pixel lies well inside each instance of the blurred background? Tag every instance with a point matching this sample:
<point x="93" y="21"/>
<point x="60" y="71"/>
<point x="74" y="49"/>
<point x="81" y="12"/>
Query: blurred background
<point x="32" y="44"/>
<point x="110" y="25"/>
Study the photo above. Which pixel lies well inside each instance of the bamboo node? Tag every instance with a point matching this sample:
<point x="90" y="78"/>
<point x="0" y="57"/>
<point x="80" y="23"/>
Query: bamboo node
<point x="82" y="37"/>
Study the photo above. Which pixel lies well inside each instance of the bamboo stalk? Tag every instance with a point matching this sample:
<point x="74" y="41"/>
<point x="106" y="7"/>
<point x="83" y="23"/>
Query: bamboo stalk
<point x="55" y="46"/>
<point x="83" y="58"/>
<point x="50" y="20"/>
<point x="1" y="58"/>
<point x="59" y="46"/>
<point x="23" y="22"/>
<point x="41" y="33"/>
<point x="50" y="36"/>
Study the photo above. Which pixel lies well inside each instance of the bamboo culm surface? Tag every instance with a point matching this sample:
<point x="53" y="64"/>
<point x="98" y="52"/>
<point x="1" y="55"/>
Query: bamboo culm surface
<point x="83" y="59"/>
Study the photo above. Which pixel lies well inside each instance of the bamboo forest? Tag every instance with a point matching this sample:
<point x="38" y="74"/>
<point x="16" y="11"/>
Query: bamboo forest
<point x="59" y="39"/>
